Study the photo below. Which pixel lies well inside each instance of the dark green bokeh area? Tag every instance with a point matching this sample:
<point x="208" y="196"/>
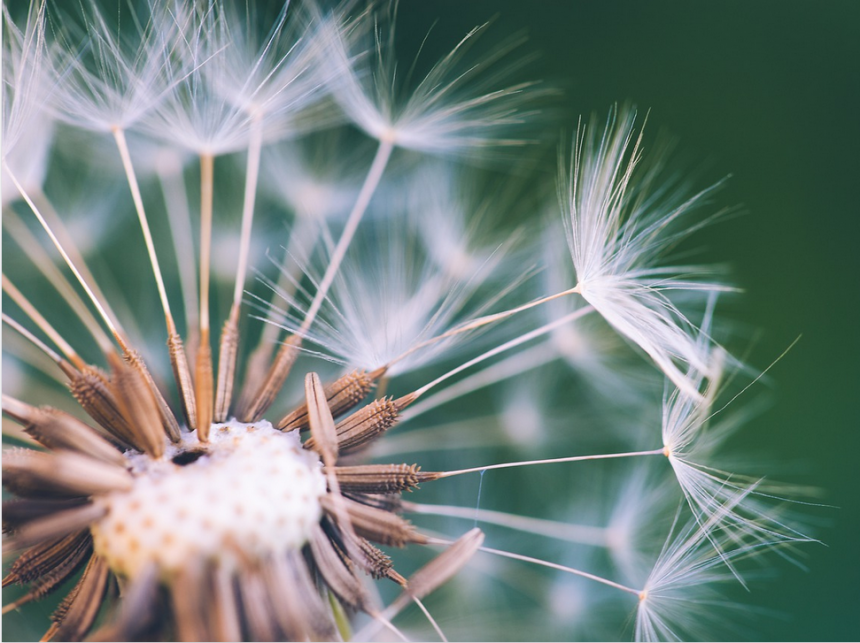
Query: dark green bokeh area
<point x="768" y="92"/>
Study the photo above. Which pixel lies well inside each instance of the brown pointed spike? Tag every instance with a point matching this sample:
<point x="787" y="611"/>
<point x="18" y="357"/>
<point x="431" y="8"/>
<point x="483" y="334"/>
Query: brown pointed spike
<point x="363" y="426"/>
<point x="381" y="478"/>
<point x="57" y="430"/>
<point x="274" y="381"/>
<point x="54" y="526"/>
<point x="92" y="390"/>
<point x="342" y="395"/>
<point x="227" y="352"/>
<point x="19" y="511"/>
<point x="64" y="472"/>
<point x="58" y="573"/>
<point x="320" y="419"/>
<point x="203" y="386"/>
<point x="166" y="417"/>
<point x="75" y="619"/>
<point x="334" y="570"/>
<point x="182" y="373"/>
<point x="39" y="560"/>
<point x="139" y="408"/>
<point x="375" y="524"/>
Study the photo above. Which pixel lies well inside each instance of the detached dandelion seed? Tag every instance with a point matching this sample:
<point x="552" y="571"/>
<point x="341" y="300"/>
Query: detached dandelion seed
<point x="242" y="493"/>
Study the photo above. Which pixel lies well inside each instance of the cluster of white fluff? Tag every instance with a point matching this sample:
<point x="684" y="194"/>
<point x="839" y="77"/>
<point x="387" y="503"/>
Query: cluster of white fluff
<point x="380" y="256"/>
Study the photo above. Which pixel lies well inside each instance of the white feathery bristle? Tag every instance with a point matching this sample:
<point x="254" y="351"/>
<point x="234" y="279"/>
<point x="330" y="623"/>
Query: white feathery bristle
<point x="27" y="129"/>
<point x="617" y="231"/>
<point x="456" y="108"/>
<point x="253" y="494"/>
<point x="110" y="79"/>
<point x="679" y="600"/>
<point x="389" y="296"/>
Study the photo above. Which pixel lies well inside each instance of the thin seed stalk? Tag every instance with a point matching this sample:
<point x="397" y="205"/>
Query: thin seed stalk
<point x="203" y="386"/>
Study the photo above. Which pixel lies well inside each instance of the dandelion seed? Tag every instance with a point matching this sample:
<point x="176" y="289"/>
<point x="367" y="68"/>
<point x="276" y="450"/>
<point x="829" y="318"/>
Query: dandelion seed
<point x="617" y="231"/>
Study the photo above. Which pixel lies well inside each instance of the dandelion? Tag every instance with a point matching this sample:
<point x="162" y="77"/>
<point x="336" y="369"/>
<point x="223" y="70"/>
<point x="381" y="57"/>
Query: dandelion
<point x="160" y="507"/>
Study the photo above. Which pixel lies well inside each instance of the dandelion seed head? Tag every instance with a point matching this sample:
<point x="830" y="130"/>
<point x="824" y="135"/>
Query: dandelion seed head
<point x="253" y="493"/>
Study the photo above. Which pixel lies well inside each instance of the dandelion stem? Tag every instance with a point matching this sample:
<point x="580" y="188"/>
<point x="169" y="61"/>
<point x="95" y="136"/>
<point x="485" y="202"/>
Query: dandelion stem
<point x="251" y="176"/>
<point x="31" y="312"/>
<point x="207" y="170"/>
<point x="56" y="223"/>
<point x="28" y="242"/>
<point x="229" y="345"/>
<point x="546" y="328"/>
<point x="122" y="145"/>
<point x="517" y="364"/>
<point x="52" y="354"/>
<point x="84" y="283"/>
<point x="374" y="175"/>
<point x="203" y="378"/>
<point x="563" y="568"/>
<point x="169" y="171"/>
<point x="576" y="458"/>
<point x="482" y="321"/>
<point x="582" y="534"/>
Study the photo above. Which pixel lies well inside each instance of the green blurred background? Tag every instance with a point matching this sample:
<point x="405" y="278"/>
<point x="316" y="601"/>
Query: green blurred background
<point x="768" y="92"/>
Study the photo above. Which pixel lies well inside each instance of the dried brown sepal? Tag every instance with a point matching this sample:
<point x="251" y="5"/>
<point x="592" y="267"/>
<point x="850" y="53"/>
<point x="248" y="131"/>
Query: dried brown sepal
<point x="137" y="610"/>
<point x="166" y="417"/>
<point x="334" y="569"/>
<point x="139" y="408"/>
<point x="92" y="390"/>
<point x="342" y="395"/>
<point x="227" y="352"/>
<point x="64" y="472"/>
<point x="225" y="623"/>
<point x="40" y="560"/>
<point x="56" y="525"/>
<point x="203" y="386"/>
<point x="182" y="373"/>
<point x="58" y="430"/>
<point x="382" y="478"/>
<point x="190" y="610"/>
<point x="76" y="614"/>
<point x="300" y="612"/>
<point x="322" y="425"/>
<point x="274" y="381"/>
<point x="19" y="511"/>
<point x="259" y="612"/>
<point x="375" y="524"/>
<point x="439" y="570"/>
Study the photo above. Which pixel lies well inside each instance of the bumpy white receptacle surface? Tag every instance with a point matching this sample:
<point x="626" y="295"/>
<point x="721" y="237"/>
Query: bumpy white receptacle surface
<point x="256" y="491"/>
